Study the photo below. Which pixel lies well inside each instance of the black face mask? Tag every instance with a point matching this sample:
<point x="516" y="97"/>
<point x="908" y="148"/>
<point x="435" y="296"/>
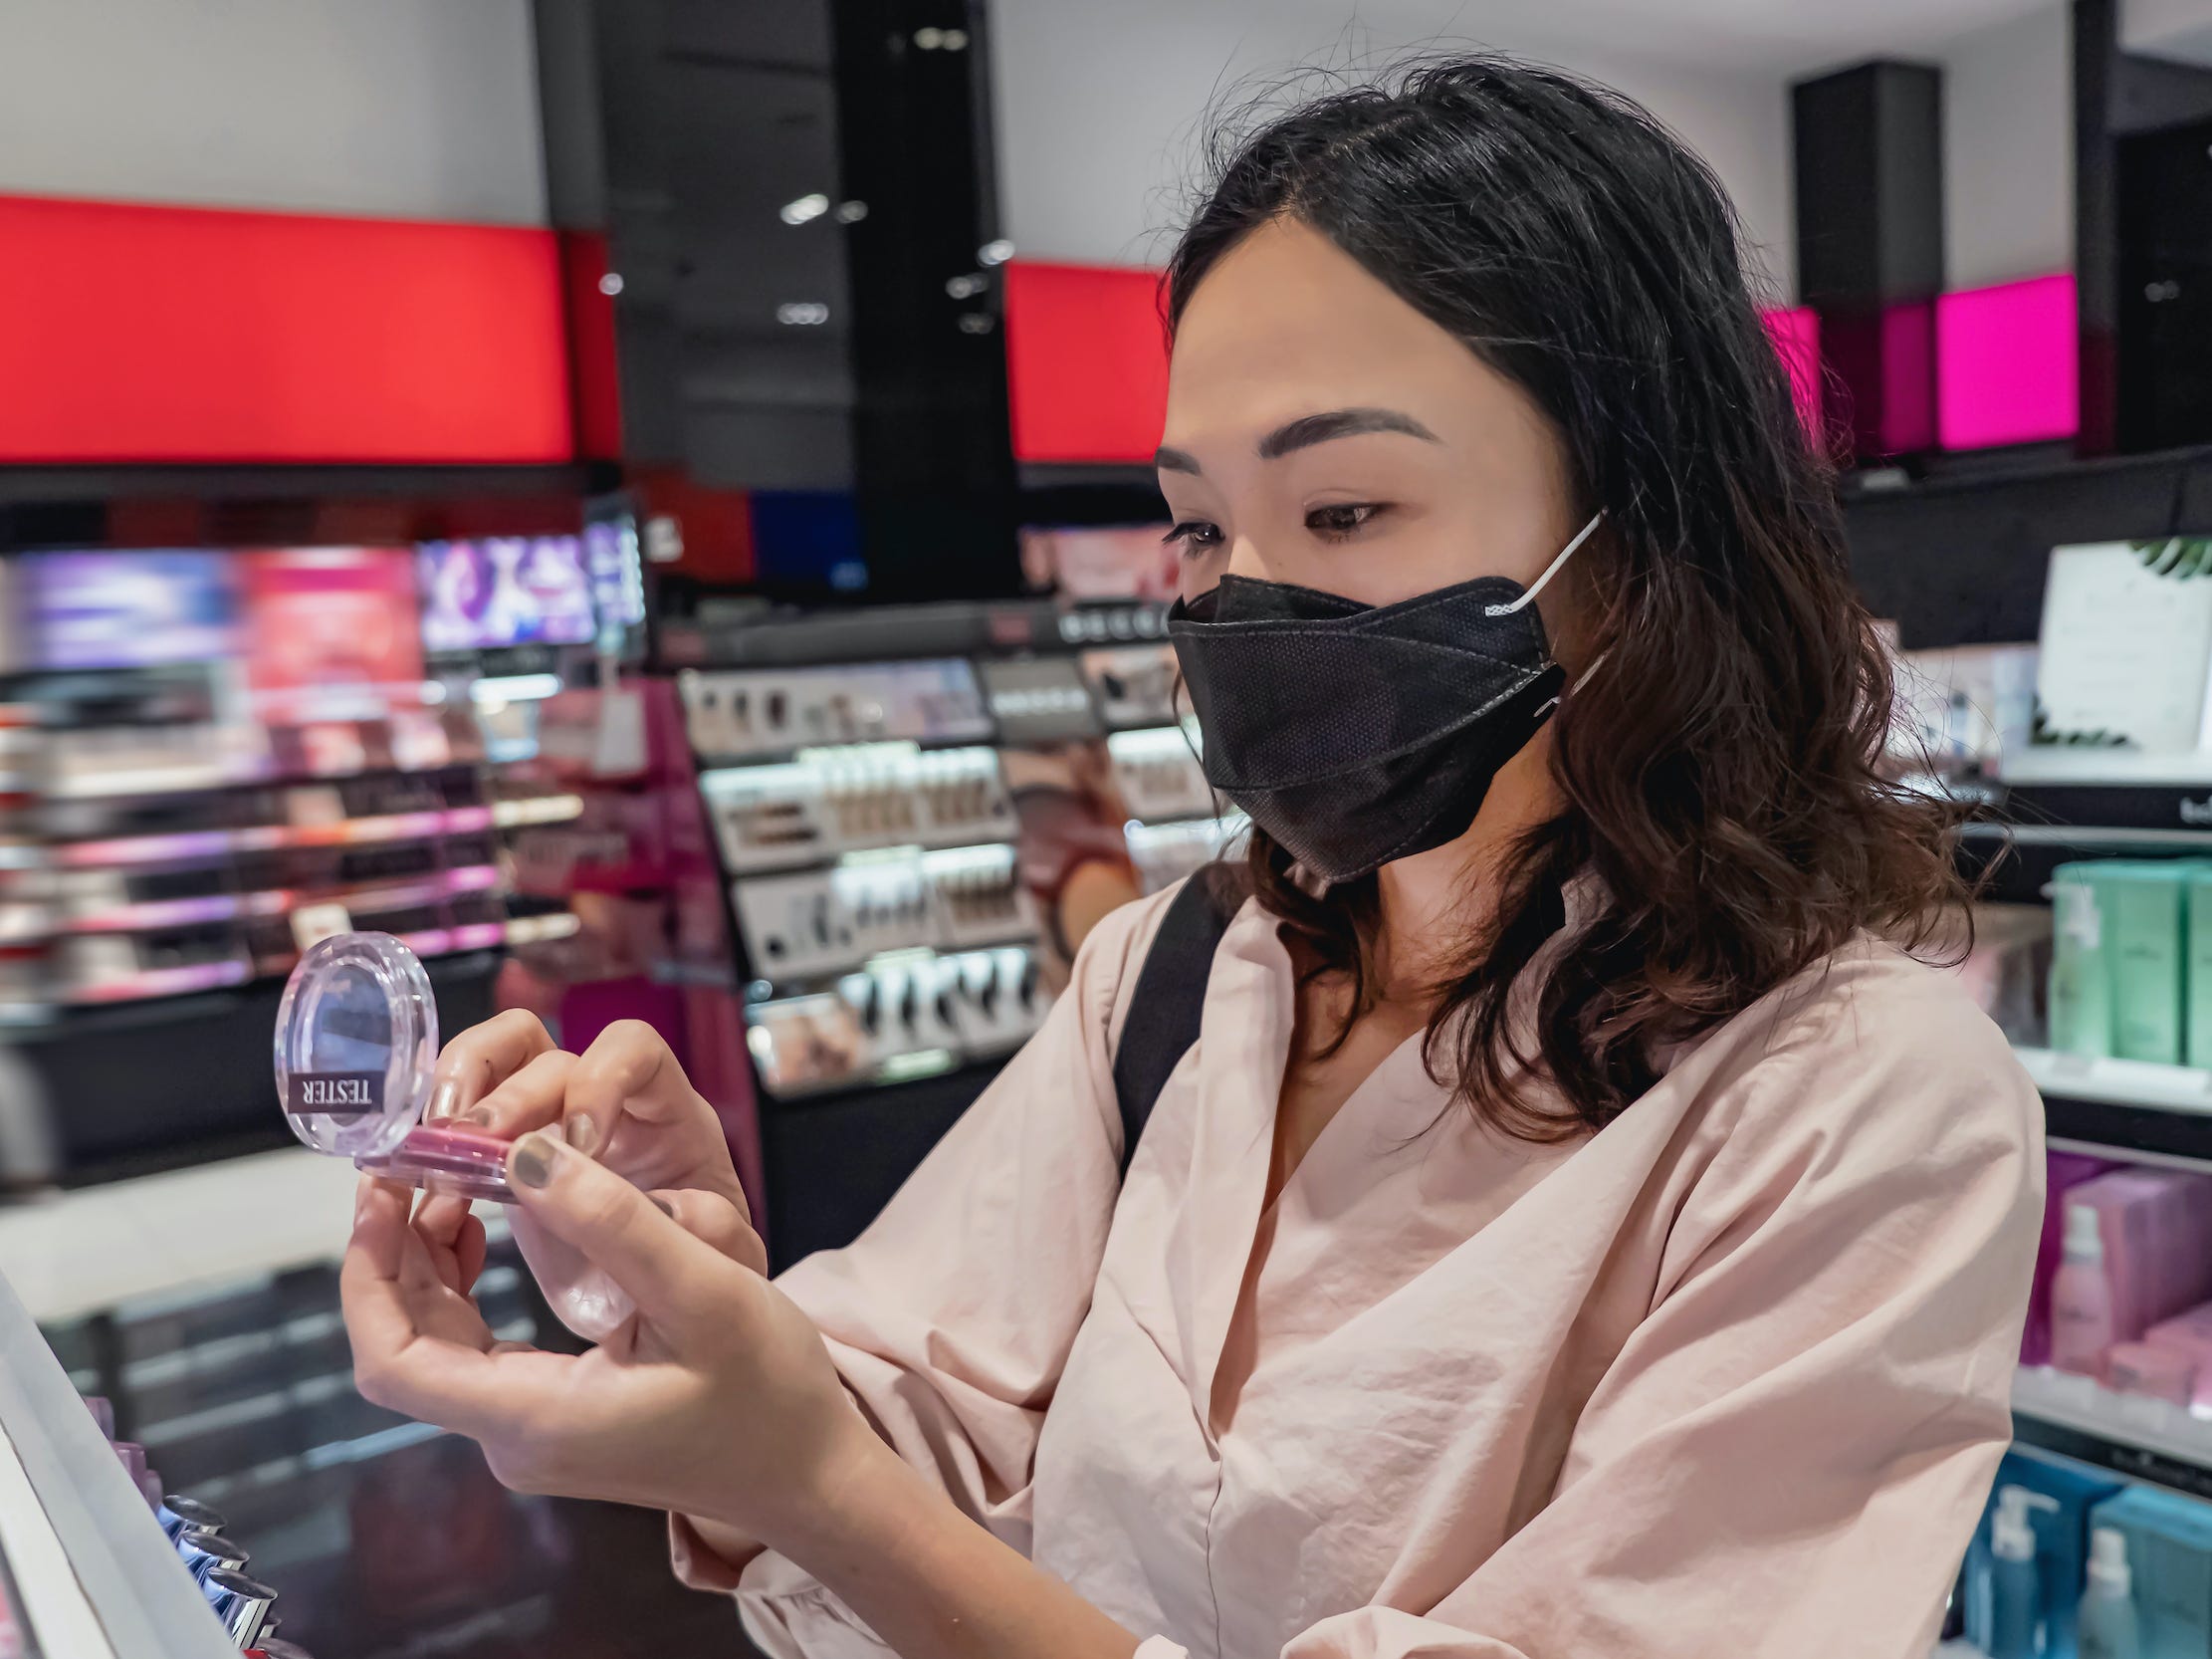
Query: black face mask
<point x="1357" y="734"/>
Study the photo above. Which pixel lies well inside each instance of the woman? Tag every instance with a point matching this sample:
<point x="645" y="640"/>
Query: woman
<point x="1578" y="1230"/>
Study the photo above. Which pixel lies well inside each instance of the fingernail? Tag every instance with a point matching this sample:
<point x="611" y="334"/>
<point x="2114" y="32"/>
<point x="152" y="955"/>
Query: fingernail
<point x="535" y="1155"/>
<point x="583" y="1134"/>
<point x="667" y="1209"/>
<point x="477" y="1117"/>
<point x="442" y="1102"/>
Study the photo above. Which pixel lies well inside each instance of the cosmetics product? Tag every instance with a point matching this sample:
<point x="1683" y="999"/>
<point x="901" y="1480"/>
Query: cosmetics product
<point x="2106" y="1627"/>
<point x="242" y="1603"/>
<point x="133" y="1457"/>
<point x="204" y="1553"/>
<point x="2168" y="1544"/>
<point x="2158" y="1374"/>
<point x="355" y="1049"/>
<point x="357" y="1043"/>
<point x="103" y="1413"/>
<point x="176" y="1513"/>
<point x="2081" y="982"/>
<point x="2015" y="1588"/>
<point x="2082" y="1298"/>
<point x="2156" y="1232"/>
<point x="2143" y="907"/>
<point x="2196" y="963"/>
<point x="2059" y="1518"/>
<point x="2064" y="1171"/>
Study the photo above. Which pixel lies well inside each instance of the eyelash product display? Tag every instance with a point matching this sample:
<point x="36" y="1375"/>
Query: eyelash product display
<point x="895" y="832"/>
<point x="979" y="897"/>
<point x="1165" y="854"/>
<point x="826" y="921"/>
<point x="870" y="796"/>
<point x="1159" y="773"/>
<point x="1135" y="684"/>
<point x="764" y="712"/>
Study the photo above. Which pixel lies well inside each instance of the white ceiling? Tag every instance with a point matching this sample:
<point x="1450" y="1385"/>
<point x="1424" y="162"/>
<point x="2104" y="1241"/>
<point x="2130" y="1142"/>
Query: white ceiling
<point x="1786" y="37"/>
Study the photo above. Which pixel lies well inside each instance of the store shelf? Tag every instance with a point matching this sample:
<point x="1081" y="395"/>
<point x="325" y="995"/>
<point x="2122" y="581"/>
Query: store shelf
<point x="156" y="983"/>
<point x="2043" y="763"/>
<point x="131" y="851"/>
<point x="99" y="1579"/>
<point x="159" y="982"/>
<point x="77" y="1252"/>
<point x="277" y="901"/>
<point x="2128" y="1105"/>
<point x="2119" y="1082"/>
<point x="2127" y="1434"/>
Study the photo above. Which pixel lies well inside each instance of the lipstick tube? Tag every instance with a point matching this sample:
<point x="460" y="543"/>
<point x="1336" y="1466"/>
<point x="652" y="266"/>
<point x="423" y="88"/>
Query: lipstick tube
<point x="206" y="1552"/>
<point x="242" y="1603"/>
<point x="176" y="1513"/>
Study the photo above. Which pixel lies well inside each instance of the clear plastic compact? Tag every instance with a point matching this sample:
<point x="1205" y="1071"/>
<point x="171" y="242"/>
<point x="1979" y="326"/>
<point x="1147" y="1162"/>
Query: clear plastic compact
<point x="356" y="1051"/>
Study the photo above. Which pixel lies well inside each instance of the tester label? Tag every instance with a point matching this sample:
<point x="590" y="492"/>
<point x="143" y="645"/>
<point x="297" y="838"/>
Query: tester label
<point x="338" y="1095"/>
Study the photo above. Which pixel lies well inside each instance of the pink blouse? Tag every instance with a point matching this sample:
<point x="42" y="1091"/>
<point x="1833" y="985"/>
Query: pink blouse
<point x="1728" y="1377"/>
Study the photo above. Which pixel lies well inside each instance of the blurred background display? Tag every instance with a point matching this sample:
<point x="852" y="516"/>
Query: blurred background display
<point x="650" y="501"/>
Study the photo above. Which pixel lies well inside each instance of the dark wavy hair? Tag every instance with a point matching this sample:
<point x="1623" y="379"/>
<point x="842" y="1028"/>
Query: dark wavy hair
<point x="1722" y="771"/>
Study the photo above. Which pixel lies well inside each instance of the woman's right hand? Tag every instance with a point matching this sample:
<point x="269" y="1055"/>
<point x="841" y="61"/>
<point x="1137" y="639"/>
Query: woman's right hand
<point x="624" y="1102"/>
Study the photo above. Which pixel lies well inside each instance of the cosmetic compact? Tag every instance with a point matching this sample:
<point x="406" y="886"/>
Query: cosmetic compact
<point x="356" y="1059"/>
<point x="356" y="1051"/>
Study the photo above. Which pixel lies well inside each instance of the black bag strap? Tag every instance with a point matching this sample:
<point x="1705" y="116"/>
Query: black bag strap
<point x="1163" y="1018"/>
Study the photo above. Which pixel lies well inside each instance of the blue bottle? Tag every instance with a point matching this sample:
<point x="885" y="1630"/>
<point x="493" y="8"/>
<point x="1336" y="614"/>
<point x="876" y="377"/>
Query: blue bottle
<point x="2015" y="1586"/>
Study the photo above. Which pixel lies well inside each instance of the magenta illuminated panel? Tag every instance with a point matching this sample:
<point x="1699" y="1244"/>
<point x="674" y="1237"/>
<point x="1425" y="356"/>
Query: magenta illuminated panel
<point x="2008" y="364"/>
<point x="1796" y="333"/>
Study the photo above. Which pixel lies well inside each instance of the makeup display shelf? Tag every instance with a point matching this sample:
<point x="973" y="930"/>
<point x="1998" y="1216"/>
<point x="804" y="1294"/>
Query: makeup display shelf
<point x="2057" y="1414"/>
<point x="915" y="813"/>
<point x="2128" y="1108"/>
<point x="203" y="1304"/>
<point x="88" y="1569"/>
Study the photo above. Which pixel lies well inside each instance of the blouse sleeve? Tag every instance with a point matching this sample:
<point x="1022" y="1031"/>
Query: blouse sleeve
<point x="1792" y="1448"/>
<point x="950" y="1319"/>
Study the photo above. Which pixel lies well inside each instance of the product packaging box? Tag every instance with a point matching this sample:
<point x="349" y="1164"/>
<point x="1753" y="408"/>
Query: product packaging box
<point x="2156" y="1372"/>
<point x="2196" y="965"/>
<point x="2062" y="1547"/>
<point x="2066" y="1171"/>
<point x="2142" y="908"/>
<point x="2188" y="1336"/>
<point x="2080" y="996"/>
<point x="2169" y="1557"/>
<point x="2157" y="1229"/>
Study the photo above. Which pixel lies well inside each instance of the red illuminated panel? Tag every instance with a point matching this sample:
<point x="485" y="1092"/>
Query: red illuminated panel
<point x="598" y="395"/>
<point x="2008" y="364"/>
<point x="188" y="334"/>
<point x="1086" y="362"/>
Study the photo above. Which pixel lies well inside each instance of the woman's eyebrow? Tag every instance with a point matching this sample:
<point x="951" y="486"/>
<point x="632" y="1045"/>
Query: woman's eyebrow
<point x="1308" y="430"/>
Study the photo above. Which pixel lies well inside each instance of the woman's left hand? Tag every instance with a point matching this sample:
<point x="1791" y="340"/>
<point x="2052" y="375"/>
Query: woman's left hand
<point x="717" y="1400"/>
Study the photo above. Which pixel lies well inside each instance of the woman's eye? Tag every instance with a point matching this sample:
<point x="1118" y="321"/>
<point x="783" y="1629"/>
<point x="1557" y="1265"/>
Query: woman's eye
<point x="1195" y="537"/>
<point x="1345" y="518"/>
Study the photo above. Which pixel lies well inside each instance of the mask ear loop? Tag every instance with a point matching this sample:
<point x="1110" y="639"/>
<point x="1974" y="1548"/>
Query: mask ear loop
<point x="1550" y="571"/>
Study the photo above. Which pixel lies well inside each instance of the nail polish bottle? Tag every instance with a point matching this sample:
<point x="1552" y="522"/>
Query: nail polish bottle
<point x="357" y="1048"/>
